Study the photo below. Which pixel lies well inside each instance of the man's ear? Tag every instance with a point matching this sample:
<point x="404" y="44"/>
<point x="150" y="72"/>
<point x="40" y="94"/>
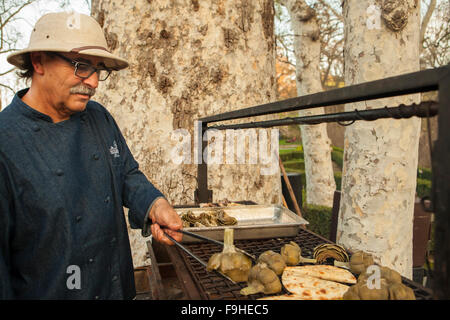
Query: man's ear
<point x="37" y="59"/>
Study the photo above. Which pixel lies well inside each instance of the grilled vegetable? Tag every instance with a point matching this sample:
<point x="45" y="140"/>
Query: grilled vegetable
<point x="213" y="218"/>
<point x="374" y="293"/>
<point x="230" y="262"/>
<point x="292" y="254"/>
<point x="398" y="291"/>
<point x="390" y="287"/>
<point x="273" y="261"/>
<point x="359" y="261"/>
<point x="225" y="220"/>
<point x="352" y="293"/>
<point x="189" y="219"/>
<point x="262" y="279"/>
<point x="391" y="276"/>
<point x="327" y="250"/>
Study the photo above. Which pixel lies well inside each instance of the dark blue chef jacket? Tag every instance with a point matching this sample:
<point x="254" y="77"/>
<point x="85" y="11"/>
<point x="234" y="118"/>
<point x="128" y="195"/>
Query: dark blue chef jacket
<point x="63" y="233"/>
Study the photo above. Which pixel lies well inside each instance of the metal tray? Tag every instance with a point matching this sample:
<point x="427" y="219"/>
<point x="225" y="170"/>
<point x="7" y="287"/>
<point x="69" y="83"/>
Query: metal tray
<point x="254" y="222"/>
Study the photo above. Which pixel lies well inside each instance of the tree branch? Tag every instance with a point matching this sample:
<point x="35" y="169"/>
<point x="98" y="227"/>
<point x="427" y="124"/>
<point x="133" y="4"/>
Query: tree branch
<point x="337" y="14"/>
<point x="426" y="20"/>
<point x="6" y="72"/>
<point x="7" y="87"/>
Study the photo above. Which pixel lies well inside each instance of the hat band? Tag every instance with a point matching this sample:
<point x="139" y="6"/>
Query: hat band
<point x="77" y="50"/>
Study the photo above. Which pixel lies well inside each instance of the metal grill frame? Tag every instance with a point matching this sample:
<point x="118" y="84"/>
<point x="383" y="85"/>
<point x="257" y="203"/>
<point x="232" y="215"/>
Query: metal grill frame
<point x="415" y="82"/>
<point x="213" y="287"/>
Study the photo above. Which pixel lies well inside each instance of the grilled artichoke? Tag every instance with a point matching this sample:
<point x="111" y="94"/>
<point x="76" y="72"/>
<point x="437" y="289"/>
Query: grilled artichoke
<point x="211" y="218"/>
<point x="391" y="287"/>
<point x="189" y="219"/>
<point x="225" y="220"/>
<point x="273" y="260"/>
<point x="359" y="261"/>
<point x="327" y="250"/>
<point x="398" y="291"/>
<point x="292" y="254"/>
<point x="391" y="276"/>
<point x="230" y="262"/>
<point x="373" y="293"/>
<point x="262" y="279"/>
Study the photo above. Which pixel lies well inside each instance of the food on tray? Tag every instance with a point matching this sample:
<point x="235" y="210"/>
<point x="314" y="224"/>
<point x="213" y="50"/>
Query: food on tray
<point x="230" y="262"/>
<point x="292" y="254"/>
<point x="210" y="218"/>
<point x="262" y="279"/>
<point x="306" y="287"/>
<point x="388" y="287"/>
<point x="221" y="203"/>
<point x="329" y="250"/>
<point x="224" y="219"/>
<point x="273" y="260"/>
<point x="324" y="272"/>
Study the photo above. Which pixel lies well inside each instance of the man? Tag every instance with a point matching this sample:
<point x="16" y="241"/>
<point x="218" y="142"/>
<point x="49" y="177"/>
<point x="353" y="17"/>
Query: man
<point x="66" y="173"/>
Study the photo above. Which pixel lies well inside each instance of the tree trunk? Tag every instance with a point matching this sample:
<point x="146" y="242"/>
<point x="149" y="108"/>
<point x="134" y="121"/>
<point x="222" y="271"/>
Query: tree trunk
<point x="189" y="59"/>
<point x="320" y="183"/>
<point x="380" y="159"/>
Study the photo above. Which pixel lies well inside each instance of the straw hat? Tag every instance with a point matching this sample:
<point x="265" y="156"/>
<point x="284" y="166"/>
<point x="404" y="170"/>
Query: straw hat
<point x="68" y="32"/>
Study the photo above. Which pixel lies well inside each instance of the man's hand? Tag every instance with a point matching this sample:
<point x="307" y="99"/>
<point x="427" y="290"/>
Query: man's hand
<point x="165" y="217"/>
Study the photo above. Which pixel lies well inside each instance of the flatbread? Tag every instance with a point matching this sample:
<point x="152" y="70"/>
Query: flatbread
<point x="284" y="297"/>
<point x="311" y="288"/>
<point x="324" y="272"/>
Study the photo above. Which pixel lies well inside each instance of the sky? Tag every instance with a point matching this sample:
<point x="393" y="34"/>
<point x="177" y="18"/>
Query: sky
<point x="25" y="23"/>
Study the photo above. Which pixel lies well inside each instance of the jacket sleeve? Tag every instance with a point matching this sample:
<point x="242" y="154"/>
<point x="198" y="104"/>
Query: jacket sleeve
<point x="6" y="291"/>
<point x="138" y="193"/>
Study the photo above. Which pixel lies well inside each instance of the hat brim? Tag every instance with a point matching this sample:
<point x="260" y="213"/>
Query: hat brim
<point x="110" y="60"/>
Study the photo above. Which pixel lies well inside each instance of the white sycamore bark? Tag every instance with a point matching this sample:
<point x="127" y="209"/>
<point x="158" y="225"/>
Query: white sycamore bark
<point x="380" y="159"/>
<point x="320" y="183"/>
<point x="188" y="59"/>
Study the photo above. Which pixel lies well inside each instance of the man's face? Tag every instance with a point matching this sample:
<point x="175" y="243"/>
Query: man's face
<point x="66" y="92"/>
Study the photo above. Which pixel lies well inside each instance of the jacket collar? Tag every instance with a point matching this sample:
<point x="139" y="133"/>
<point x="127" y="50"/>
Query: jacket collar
<point x="28" y="111"/>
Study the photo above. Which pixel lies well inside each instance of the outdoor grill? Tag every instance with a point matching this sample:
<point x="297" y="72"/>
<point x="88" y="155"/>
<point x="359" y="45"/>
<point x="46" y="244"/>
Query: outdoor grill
<point x="197" y="283"/>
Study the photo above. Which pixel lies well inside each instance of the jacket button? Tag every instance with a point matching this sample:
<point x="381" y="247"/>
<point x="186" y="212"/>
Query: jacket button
<point x="96" y="156"/>
<point x="91" y="260"/>
<point x="78" y="218"/>
<point x="113" y="240"/>
<point x="115" y="278"/>
<point x="36" y="128"/>
<point x="59" y="172"/>
<point x="107" y="199"/>
<point x="96" y="297"/>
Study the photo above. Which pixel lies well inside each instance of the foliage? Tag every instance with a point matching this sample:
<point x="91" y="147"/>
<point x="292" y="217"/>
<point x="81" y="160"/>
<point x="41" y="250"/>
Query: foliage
<point x="319" y="218"/>
<point x="423" y="188"/>
<point x="424" y="173"/>
<point x="337" y="156"/>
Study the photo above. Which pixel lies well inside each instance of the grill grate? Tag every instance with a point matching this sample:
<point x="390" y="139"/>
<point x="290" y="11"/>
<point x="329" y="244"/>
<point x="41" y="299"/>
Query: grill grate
<point x="214" y="287"/>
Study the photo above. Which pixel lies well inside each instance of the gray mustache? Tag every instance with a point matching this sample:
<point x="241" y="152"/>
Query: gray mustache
<point x="81" y="89"/>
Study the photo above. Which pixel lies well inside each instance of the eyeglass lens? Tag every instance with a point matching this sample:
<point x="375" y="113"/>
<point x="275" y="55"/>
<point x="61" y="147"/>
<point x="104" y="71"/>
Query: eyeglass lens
<point x="85" y="71"/>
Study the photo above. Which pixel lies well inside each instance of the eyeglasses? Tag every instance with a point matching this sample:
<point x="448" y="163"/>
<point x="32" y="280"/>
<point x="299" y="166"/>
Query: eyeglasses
<point x="85" y="70"/>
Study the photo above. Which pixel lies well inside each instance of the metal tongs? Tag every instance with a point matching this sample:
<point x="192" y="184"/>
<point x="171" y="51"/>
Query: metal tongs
<point x="203" y="263"/>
